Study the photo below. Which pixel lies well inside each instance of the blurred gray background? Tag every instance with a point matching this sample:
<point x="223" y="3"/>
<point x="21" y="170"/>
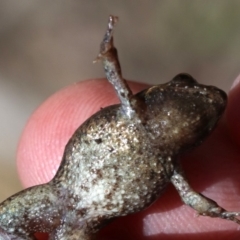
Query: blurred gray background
<point x="46" y="45"/>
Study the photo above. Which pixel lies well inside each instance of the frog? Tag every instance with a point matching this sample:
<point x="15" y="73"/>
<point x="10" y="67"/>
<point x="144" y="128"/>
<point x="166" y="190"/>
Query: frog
<point x="121" y="159"/>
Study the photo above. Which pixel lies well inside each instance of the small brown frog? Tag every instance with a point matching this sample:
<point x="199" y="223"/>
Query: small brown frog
<point x="121" y="159"/>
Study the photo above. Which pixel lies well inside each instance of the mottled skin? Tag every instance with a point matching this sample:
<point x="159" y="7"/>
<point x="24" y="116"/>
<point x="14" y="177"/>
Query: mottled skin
<point x="121" y="159"/>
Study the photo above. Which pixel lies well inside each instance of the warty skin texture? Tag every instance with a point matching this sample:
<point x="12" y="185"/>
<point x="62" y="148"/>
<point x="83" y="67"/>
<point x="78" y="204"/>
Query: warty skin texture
<point x="121" y="159"/>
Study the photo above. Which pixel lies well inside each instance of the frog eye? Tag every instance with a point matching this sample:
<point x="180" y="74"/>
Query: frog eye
<point x="184" y="78"/>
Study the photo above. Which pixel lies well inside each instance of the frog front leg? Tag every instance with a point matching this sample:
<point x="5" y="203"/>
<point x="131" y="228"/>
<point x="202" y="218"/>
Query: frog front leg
<point x="203" y="205"/>
<point x="68" y="233"/>
<point x="132" y="107"/>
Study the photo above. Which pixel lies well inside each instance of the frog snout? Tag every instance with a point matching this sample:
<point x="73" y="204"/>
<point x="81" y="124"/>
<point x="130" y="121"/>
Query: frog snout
<point x="219" y="100"/>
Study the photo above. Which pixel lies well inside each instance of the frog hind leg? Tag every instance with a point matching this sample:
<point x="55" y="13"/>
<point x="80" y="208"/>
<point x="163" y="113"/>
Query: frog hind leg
<point x="36" y="209"/>
<point x="8" y="236"/>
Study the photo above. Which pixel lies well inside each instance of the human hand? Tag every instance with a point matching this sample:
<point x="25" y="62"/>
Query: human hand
<point x="212" y="169"/>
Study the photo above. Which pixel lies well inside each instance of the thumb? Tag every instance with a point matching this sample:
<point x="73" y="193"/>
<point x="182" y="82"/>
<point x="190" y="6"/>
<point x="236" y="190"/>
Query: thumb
<point x="48" y="130"/>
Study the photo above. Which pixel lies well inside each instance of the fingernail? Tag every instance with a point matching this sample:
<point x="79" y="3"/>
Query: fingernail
<point x="236" y="82"/>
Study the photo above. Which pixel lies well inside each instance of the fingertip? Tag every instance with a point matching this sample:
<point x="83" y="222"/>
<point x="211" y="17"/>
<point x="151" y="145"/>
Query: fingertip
<point x="50" y="127"/>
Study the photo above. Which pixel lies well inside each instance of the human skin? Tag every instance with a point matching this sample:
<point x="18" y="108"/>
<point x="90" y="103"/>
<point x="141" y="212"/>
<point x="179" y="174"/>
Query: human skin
<point x="212" y="168"/>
